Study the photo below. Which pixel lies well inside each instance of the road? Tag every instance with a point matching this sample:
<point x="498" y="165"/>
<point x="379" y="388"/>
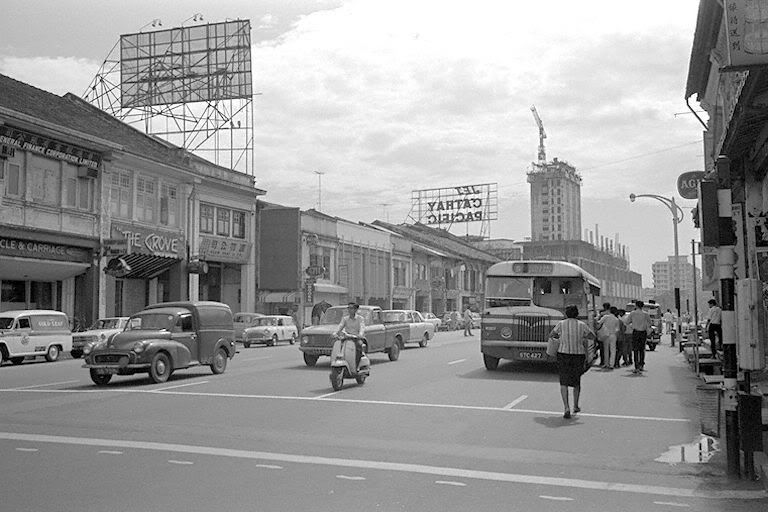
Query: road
<point x="433" y="431"/>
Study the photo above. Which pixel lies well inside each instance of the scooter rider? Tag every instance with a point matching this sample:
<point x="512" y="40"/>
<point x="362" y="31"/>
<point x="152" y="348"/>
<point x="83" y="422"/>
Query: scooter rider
<point x="354" y="325"/>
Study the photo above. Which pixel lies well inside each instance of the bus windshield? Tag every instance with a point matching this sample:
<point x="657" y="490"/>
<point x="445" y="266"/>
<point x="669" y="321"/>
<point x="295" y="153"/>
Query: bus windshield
<point x="508" y="291"/>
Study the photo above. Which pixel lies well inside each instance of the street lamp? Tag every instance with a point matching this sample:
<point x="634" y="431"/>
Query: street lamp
<point x="677" y="218"/>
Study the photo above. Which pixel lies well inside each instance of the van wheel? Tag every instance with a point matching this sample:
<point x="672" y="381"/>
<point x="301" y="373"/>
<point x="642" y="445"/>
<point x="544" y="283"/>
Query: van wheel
<point x="100" y="379"/>
<point x="424" y="340"/>
<point x="394" y="350"/>
<point x="160" y="368"/>
<point x="293" y="338"/>
<point x="310" y="360"/>
<point x="491" y="363"/>
<point x="52" y="354"/>
<point x="17" y="360"/>
<point x="219" y="363"/>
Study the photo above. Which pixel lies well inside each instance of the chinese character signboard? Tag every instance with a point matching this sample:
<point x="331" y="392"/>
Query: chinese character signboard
<point x="746" y="24"/>
<point x="227" y="250"/>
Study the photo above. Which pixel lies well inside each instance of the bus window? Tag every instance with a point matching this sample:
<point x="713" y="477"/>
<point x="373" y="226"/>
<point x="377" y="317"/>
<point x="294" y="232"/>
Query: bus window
<point x="565" y="287"/>
<point x="543" y="286"/>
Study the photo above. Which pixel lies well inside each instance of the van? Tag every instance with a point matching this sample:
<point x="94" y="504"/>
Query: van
<point x="32" y="333"/>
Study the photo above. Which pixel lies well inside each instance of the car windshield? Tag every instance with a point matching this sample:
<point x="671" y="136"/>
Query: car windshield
<point x="245" y="317"/>
<point x="333" y="316"/>
<point x="151" y="322"/>
<point x="6" y="322"/>
<point x="265" y="321"/>
<point x="108" y="323"/>
<point x="393" y="316"/>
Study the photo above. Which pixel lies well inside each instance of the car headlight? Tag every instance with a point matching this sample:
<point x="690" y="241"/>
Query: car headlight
<point x="103" y="337"/>
<point x="138" y="347"/>
<point x="91" y="346"/>
<point x="304" y="340"/>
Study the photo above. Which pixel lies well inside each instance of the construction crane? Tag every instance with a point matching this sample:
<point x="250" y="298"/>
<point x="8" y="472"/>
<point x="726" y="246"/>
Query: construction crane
<point x="542" y="136"/>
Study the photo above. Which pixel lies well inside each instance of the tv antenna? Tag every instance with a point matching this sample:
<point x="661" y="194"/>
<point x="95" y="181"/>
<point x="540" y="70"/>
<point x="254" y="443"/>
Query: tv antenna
<point x="319" y="189"/>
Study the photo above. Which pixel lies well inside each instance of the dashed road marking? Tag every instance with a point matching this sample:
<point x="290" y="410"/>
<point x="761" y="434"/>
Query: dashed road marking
<point x="449" y="482"/>
<point x="111" y="452"/>
<point x="181" y="385"/>
<point x="268" y="466"/>
<point x="48" y="384"/>
<point x="442" y="471"/>
<point x="27" y="449"/>
<point x="555" y="498"/>
<point x="181" y="462"/>
<point x="515" y="401"/>
<point x="345" y="477"/>
<point x="457" y="361"/>
<point x="671" y="504"/>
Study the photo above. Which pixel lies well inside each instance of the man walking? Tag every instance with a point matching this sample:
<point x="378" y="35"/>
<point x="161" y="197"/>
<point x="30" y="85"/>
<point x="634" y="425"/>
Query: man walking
<point x="639" y="323"/>
<point x="715" y="326"/>
<point x="467" y="321"/>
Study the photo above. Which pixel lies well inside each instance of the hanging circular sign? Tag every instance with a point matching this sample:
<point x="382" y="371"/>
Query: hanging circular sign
<point x="688" y="184"/>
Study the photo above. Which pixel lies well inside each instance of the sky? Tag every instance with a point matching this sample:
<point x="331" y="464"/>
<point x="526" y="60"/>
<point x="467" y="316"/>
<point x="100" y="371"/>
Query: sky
<point x="384" y="98"/>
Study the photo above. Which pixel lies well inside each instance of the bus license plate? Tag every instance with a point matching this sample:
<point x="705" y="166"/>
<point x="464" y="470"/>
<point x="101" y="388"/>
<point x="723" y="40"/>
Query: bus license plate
<point x="531" y="355"/>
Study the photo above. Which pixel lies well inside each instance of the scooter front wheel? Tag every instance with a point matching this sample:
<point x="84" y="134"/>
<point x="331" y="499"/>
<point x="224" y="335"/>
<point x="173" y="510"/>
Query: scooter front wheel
<point x="337" y="377"/>
<point x="361" y="378"/>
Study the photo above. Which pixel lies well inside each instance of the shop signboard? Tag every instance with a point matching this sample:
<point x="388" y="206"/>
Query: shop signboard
<point x="746" y="33"/>
<point x="153" y="241"/>
<point x="224" y="249"/>
<point x="51" y="148"/>
<point x="688" y="184"/>
<point x="10" y="246"/>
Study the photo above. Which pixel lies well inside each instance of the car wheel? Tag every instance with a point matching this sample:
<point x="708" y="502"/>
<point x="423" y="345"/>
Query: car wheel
<point x="293" y="338"/>
<point x="17" y="360"/>
<point x="491" y="363"/>
<point x="52" y="354"/>
<point x="310" y="360"/>
<point x="160" y="368"/>
<point x="100" y="379"/>
<point x="424" y="340"/>
<point x="76" y="354"/>
<point x="337" y="377"/>
<point x="273" y="340"/>
<point x="247" y="344"/>
<point x="394" y="350"/>
<point x="219" y="363"/>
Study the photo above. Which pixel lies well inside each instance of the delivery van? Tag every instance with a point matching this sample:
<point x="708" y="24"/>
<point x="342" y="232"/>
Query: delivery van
<point x="33" y="333"/>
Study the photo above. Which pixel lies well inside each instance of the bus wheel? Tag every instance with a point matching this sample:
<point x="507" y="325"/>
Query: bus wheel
<point x="491" y="363"/>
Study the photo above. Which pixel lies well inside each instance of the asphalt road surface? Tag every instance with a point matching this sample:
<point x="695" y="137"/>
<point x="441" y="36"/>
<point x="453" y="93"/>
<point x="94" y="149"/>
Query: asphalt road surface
<point x="433" y="431"/>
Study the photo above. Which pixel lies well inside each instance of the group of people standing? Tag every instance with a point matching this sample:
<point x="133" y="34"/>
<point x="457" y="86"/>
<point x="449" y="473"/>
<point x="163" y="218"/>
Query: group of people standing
<point x="615" y="328"/>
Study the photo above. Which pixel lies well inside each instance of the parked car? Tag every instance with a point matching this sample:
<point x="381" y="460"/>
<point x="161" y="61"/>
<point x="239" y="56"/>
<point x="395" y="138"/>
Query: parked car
<point x="33" y="332"/>
<point x="317" y="340"/>
<point x="271" y="329"/>
<point x="431" y="318"/>
<point x="101" y="330"/>
<point x="419" y="330"/>
<point x="163" y="338"/>
<point x="242" y="320"/>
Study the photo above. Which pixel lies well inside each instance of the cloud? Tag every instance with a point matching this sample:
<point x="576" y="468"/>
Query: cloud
<point x="58" y="75"/>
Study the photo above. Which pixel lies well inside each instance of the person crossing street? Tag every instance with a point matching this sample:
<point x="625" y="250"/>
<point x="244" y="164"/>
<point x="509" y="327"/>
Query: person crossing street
<point x="639" y="323"/>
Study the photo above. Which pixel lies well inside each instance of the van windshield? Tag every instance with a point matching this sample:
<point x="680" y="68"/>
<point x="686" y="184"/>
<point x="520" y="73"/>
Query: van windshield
<point x="6" y="322"/>
<point x="150" y="322"/>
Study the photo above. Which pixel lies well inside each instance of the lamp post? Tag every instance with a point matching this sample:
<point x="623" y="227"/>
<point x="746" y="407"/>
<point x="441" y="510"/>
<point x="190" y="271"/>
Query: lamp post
<point x="677" y="218"/>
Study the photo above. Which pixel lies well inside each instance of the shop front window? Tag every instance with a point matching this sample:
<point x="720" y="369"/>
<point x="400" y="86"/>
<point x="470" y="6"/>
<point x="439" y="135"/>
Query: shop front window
<point x="13" y="291"/>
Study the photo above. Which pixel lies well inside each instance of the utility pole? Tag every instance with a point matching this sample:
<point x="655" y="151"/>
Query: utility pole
<point x="319" y="190"/>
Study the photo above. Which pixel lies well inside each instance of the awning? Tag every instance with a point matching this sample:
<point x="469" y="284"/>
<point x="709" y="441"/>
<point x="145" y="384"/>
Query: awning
<point x="12" y="268"/>
<point x="330" y="288"/>
<point x="140" y="266"/>
<point x="278" y="297"/>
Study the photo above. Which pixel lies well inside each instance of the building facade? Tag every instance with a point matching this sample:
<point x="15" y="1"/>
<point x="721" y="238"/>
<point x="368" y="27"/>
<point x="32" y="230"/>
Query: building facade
<point x="555" y="201"/>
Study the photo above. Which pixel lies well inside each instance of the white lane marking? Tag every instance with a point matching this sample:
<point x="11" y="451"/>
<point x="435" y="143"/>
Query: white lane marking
<point x="448" y="482"/>
<point x="555" y="498"/>
<point x="457" y="361"/>
<point x="254" y="358"/>
<point x="49" y="384"/>
<point x="345" y="477"/>
<point x="347" y="400"/>
<point x="268" y="466"/>
<point x="181" y="385"/>
<point x="181" y="462"/>
<point x="458" y="473"/>
<point x="27" y="450"/>
<point x="671" y="504"/>
<point x="111" y="452"/>
<point x="327" y="395"/>
<point x="515" y="401"/>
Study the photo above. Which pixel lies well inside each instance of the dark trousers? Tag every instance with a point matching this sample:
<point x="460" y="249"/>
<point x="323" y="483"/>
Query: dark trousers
<point x="638" y="348"/>
<point x="715" y="337"/>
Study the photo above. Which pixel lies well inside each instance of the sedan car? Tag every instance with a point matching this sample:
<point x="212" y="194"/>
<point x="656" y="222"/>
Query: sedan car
<point x="419" y="330"/>
<point x="101" y="329"/>
<point x="431" y="318"/>
<point x="271" y="329"/>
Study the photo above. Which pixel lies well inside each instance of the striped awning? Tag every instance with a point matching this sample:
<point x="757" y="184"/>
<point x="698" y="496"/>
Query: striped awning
<point x="140" y="266"/>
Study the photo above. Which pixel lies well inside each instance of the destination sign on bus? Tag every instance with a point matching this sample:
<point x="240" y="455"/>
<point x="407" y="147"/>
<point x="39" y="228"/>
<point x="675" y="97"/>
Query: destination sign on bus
<point x="532" y="268"/>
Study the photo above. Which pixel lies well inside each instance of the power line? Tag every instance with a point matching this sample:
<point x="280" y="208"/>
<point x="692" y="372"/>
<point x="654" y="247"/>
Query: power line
<point x="641" y="156"/>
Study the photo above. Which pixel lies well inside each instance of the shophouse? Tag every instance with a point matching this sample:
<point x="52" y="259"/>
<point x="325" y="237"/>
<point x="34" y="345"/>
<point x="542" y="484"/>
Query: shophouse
<point x="113" y="215"/>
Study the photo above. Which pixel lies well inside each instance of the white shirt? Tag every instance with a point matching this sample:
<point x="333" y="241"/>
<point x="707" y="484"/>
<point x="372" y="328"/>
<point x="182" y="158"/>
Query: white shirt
<point x="354" y="326"/>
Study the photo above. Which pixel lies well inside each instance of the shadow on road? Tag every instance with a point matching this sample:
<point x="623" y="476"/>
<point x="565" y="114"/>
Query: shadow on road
<point x="142" y="379"/>
<point x="557" y="421"/>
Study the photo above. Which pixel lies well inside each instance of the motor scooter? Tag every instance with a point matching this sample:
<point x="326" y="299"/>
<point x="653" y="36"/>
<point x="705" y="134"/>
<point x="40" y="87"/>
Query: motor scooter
<point x="654" y="338"/>
<point x="343" y="361"/>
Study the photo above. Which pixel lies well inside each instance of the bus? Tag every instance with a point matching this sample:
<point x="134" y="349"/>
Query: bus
<point x="523" y="302"/>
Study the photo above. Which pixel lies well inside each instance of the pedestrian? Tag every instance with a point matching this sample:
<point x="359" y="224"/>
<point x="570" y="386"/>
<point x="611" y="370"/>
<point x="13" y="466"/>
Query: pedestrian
<point x="467" y="321"/>
<point x="573" y="355"/>
<point x="668" y="321"/>
<point x="639" y="324"/>
<point x="715" y="326"/>
<point x="624" y="340"/>
<point x="607" y="332"/>
<point x="600" y="345"/>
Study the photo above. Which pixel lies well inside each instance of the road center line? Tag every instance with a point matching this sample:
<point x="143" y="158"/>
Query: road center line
<point x="327" y="395"/>
<point x="346" y="400"/>
<point x="49" y="384"/>
<point x="448" y="482"/>
<point x="181" y="386"/>
<point x="457" y="361"/>
<point x="454" y="473"/>
<point x="671" y="504"/>
<point x="515" y="401"/>
<point x="253" y="358"/>
<point x="555" y="498"/>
